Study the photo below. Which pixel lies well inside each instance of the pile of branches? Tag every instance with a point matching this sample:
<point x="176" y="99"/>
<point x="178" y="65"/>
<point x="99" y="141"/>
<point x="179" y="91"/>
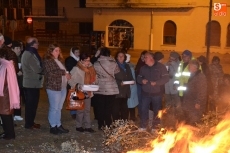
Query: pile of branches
<point x="123" y="136"/>
<point x="209" y="120"/>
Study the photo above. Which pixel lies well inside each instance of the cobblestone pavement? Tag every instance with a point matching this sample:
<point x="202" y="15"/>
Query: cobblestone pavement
<point x="42" y="141"/>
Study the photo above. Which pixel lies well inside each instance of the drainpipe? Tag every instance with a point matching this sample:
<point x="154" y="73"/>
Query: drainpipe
<point x="151" y="32"/>
<point x="209" y="31"/>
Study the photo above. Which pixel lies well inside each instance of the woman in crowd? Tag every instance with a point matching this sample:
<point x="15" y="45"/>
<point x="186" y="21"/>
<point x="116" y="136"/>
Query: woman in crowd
<point x="133" y="100"/>
<point x="171" y="94"/>
<point x="140" y="63"/>
<point x="9" y="93"/>
<point x="106" y="67"/>
<point x="16" y="47"/>
<point x="83" y="73"/>
<point x="22" y="46"/>
<point x="205" y="69"/>
<point x="70" y="62"/>
<point x="217" y="73"/>
<point x="120" y="108"/>
<point x="56" y="78"/>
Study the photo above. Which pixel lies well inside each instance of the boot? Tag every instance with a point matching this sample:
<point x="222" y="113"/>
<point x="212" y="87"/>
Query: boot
<point x="54" y="130"/>
<point x="62" y="130"/>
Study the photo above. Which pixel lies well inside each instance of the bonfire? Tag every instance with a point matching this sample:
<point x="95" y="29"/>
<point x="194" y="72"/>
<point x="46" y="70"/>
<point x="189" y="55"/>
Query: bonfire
<point x="213" y="136"/>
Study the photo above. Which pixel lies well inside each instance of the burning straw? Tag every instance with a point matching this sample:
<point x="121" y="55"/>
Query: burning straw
<point x="210" y="137"/>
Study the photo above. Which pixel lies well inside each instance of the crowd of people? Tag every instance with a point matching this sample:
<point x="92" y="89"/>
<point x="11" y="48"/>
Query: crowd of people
<point x="185" y="83"/>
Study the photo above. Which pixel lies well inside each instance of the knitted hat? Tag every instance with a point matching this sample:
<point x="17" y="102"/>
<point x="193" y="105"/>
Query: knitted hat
<point x="174" y="55"/>
<point x="158" y="56"/>
<point x="187" y="53"/>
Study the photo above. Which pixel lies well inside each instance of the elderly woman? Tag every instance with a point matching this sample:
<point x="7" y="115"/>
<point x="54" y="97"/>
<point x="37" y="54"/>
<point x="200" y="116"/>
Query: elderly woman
<point x="83" y="74"/>
<point x="120" y="108"/>
<point x="216" y="75"/>
<point x="106" y="67"/>
<point x="56" y="78"/>
<point x="9" y="93"/>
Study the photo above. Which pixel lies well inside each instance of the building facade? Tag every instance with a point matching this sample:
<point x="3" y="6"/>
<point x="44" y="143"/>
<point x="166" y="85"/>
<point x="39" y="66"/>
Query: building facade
<point x="162" y="24"/>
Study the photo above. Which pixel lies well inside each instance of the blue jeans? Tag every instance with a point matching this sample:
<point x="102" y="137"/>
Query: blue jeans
<point x="156" y="104"/>
<point x="56" y="100"/>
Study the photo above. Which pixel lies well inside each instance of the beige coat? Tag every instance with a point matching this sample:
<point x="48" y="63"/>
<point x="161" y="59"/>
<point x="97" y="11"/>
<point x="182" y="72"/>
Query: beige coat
<point x="77" y="77"/>
<point x="107" y="83"/>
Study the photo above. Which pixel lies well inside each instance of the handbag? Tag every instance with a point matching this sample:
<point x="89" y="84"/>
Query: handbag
<point x="75" y="99"/>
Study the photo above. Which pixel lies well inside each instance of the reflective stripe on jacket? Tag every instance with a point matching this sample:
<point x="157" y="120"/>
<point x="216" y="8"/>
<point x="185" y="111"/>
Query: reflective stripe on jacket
<point x="182" y="77"/>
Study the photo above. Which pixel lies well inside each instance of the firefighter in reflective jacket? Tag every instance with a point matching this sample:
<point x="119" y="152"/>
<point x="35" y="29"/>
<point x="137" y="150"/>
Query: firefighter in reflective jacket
<point x="183" y="74"/>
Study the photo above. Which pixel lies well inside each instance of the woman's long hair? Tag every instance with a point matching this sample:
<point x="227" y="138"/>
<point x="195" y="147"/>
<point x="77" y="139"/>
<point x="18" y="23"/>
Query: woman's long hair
<point x="50" y="49"/>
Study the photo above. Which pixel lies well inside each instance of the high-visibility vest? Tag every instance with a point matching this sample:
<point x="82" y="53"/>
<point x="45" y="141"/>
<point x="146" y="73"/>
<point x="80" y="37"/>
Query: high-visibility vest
<point x="181" y="78"/>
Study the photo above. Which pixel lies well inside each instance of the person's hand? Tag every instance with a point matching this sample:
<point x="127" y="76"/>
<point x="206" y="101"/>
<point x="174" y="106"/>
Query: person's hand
<point x="68" y="76"/>
<point x="19" y="73"/>
<point x="153" y="83"/>
<point x="144" y="81"/>
<point x="197" y="106"/>
<point x="97" y="53"/>
<point x="122" y="84"/>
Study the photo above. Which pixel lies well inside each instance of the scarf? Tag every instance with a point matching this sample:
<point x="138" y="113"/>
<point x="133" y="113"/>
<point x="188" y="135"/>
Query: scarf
<point x="8" y="67"/>
<point x="34" y="51"/>
<point x="90" y="73"/>
<point x="72" y="55"/>
<point x="122" y="65"/>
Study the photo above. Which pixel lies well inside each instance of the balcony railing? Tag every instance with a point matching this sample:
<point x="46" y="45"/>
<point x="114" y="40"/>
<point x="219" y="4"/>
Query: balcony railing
<point x="51" y="12"/>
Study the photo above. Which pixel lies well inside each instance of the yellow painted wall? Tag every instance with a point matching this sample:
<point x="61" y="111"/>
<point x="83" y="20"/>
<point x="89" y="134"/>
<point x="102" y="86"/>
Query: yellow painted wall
<point x="191" y="26"/>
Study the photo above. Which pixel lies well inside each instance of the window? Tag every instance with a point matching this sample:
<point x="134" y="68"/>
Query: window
<point x="214" y="34"/>
<point x="169" y="33"/>
<point x="121" y="34"/>
<point x="228" y="36"/>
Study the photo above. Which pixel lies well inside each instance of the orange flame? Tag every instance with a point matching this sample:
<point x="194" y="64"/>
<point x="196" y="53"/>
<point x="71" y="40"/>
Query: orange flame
<point x="185" y="140"/>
